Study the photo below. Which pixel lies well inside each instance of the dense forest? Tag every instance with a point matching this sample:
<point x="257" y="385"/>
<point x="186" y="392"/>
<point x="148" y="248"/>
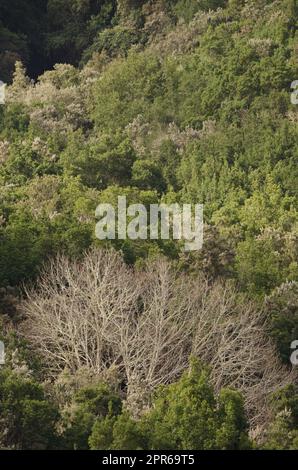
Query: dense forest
<point x="137" y="344"/>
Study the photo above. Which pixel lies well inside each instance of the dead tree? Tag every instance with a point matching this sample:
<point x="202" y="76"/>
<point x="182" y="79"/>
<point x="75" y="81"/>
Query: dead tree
<point x="98" y="313"/>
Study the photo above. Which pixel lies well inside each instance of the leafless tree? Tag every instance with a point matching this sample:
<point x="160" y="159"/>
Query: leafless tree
<point x="99" y="313"/>
<point x="72" y="314"/>
<point x="230" y="336"/>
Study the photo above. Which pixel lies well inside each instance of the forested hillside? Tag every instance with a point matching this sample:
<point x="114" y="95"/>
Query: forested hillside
<point x="127" y="344"/>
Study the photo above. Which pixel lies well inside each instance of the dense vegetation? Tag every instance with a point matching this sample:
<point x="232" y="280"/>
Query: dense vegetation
<point x="172" y="101"/>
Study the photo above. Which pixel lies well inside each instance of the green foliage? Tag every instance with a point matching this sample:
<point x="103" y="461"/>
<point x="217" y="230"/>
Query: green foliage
<point x="67" y="41"/>
<point x="186" y="9"/>
<point x="282" y="308"/>
<point x="25" y="163"/>
<point x="127" y="89"/>
<point x="281" y="435"/>
<point x="212" y="124"/>
<point x="45" y="216"/>
<point x="15" y="120"/>
<point x="27" y="419"/>
<point x="88" y="405"/>
<point x="183" y="101"/>
<point x="117" y="433"/>
<point x="258" y="265"/>
<point x="106" y="161"/>
<point x="287" y="399"/>
<point x="186" y="415"/>
<point x="102" y="434"/>
<point x="147" y="175"/>
<point x="114" y="42"/>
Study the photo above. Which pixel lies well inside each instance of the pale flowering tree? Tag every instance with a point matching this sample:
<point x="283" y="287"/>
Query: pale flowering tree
<point x="4" y="151"/>
<point x="57" y="100"/>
